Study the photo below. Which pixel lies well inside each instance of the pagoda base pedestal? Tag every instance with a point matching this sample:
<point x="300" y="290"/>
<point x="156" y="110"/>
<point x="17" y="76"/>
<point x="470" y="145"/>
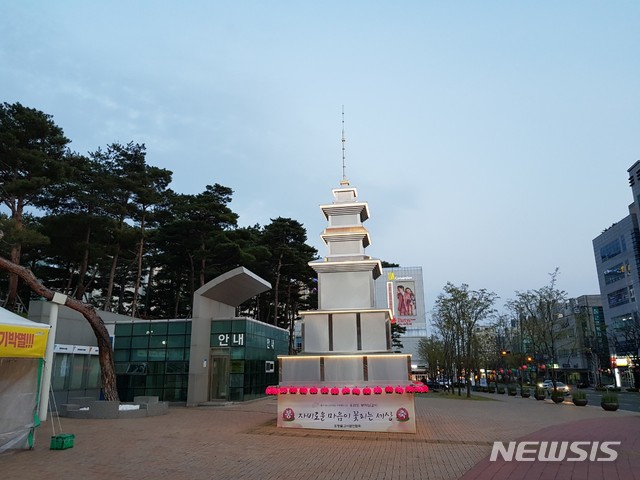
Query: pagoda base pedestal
<point x="384" y="412"/>
<point x="357" y="392"/>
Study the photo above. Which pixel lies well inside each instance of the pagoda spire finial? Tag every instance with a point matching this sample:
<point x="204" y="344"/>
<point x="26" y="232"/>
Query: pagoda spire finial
<point x="344" y="180"/>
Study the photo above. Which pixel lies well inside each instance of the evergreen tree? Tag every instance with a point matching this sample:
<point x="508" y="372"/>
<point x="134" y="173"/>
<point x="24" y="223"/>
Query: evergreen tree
<point x="291" y="277"/>
<point x="194" y="242"/>
<point x="32" y="153"/>
<point x="78" y="224"/>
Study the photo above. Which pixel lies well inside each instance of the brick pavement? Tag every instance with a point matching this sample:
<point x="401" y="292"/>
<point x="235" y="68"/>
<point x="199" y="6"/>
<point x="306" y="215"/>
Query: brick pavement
<point x="241" y="441"/>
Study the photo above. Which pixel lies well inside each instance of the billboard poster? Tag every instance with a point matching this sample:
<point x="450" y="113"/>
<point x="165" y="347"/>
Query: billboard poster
<point x="377" y="413"/>
<point x="405" y="302"/>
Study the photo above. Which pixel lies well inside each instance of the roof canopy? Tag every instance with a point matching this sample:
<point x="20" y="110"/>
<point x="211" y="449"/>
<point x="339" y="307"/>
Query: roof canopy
<point x="234" y="287"/>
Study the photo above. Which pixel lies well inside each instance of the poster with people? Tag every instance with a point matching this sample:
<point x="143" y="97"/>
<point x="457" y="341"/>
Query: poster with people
<point x="405" y="302"/>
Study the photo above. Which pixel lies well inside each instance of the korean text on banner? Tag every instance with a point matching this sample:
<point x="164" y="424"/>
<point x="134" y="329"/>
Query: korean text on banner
<point x="24" y="342"/>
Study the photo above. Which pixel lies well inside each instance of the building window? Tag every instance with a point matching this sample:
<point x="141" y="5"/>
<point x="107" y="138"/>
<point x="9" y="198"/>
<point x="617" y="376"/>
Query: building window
<point x="614" y="273"/>
<point x="610" y="250"/>
<point x="619" y="297"/>
<point x="620" y="321"/>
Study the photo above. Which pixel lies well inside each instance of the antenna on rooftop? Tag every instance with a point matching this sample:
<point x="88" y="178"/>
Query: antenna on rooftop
<point x="344" y="167"/>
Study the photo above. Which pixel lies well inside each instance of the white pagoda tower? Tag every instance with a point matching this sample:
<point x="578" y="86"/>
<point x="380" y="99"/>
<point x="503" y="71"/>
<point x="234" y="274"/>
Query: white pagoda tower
<point x="346" y="376"/>
<point x="346" y="321"/>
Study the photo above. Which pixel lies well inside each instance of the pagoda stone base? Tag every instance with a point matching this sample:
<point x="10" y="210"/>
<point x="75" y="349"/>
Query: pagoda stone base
<point x="346" y="392"/>
<point x="345" y="331"/>
<point x="340" y="370"/>
<point x="383" y="412"/>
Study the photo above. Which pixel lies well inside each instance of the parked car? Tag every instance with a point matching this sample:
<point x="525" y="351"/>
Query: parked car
<point x="583" y="384"/>
<point x="560" y="387"/>
<point x="445" y="384"/>
<point x="432" y="385"/>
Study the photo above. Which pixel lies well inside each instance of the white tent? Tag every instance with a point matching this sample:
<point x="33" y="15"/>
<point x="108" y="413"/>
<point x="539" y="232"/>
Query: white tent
<point x="22" y="348"/>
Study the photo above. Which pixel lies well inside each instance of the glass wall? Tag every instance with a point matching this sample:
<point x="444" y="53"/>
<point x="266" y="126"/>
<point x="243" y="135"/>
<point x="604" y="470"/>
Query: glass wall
<point x="152" y="358"/>
<point x="253" y="349"/>
<point x="75" y="375"/>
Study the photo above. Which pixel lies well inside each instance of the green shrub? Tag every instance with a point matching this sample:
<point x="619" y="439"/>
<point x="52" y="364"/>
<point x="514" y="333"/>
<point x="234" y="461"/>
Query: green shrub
<point x="579" y="395"/>
<point x="610" y="397"/>
<point x="557" y="397"/>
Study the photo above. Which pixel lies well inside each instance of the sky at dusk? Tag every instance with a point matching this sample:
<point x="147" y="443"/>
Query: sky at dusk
<point x="490" y="139"/>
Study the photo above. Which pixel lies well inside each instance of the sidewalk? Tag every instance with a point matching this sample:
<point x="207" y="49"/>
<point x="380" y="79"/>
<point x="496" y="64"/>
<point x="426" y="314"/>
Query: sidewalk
<point x="241" y="441"/>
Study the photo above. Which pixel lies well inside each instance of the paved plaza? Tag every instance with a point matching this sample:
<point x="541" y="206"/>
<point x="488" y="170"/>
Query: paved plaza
<point x="241" y="441"/>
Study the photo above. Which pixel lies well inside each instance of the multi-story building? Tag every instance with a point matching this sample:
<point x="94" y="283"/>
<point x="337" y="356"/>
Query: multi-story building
<point x="617" y="255"/>
<point x="489" y="347"/>
<point x="582" y="349"/>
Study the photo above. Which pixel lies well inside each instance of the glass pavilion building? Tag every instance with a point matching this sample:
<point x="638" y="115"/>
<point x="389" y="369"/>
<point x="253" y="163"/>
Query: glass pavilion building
<point x="211" y="357"/>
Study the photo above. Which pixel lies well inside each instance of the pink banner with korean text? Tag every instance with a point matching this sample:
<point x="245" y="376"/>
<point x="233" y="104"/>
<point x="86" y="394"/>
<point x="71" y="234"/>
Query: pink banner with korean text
<point x="375" y="413"/>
